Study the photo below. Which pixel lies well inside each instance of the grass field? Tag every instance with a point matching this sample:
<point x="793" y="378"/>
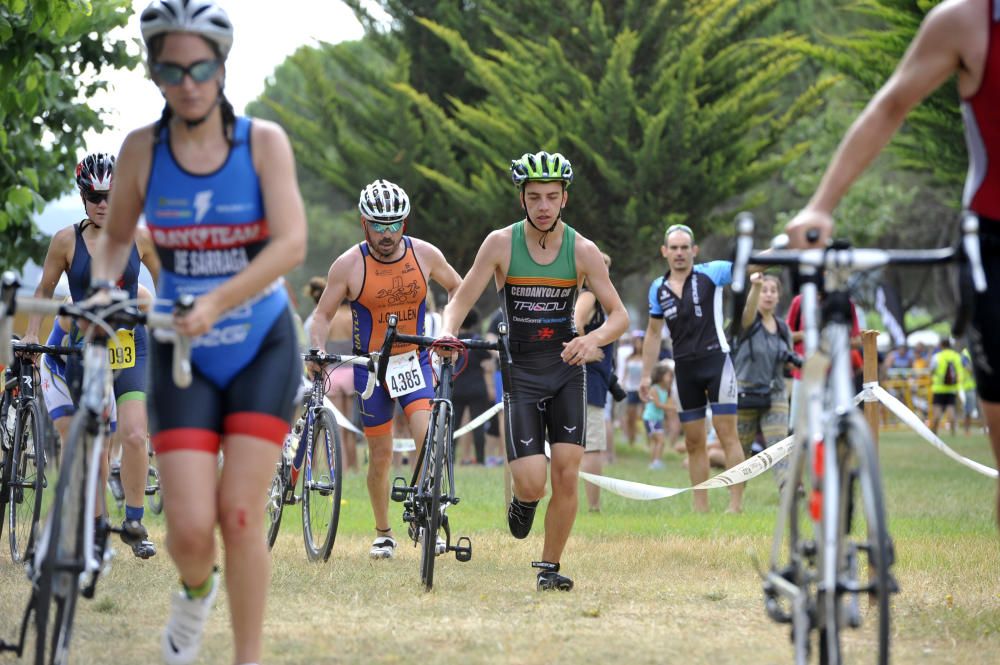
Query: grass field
<point x="655" y="583"/>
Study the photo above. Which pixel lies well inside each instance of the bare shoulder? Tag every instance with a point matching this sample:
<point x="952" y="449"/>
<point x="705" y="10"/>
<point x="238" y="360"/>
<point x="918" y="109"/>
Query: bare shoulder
<point x="348" y="263"/>
<point x="425" y="250"/>
<point x="586" y="251"/>
<point x="137" y="147"/>
<point x="954" y="20"/>
<point x="63" y="240"/>
<point x="498" y="241"/>
<point x="267" y="136"/>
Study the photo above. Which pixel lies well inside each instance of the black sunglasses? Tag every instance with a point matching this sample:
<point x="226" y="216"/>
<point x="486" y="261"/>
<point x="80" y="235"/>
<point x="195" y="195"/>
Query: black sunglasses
<point x="96" y="197"/>
<point x="173" y="74"/>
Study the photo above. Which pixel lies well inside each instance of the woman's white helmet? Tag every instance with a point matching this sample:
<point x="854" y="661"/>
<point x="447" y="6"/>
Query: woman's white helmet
<point x="201" y="17"/>
<point x="384" y="203"/>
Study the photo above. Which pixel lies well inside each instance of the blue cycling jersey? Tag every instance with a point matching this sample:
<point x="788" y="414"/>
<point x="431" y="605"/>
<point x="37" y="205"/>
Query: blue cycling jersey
<point x="207" y="228"/>
<point x="695" y="316"/>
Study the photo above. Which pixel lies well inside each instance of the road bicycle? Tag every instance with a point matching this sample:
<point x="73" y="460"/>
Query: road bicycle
<point x="432" y="487"/>
<point x="832" y="524"/>
<point x="71" y="549"/>
<point x="22" y="475"/>
<point x="312" y="451"/>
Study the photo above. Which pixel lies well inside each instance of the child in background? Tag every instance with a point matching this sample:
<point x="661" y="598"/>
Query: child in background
<point x="655" y="412"/>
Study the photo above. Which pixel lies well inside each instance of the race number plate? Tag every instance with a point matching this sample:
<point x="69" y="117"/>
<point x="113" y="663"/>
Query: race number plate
<point x="121" y="355"/>
<point x="404" y="375"/>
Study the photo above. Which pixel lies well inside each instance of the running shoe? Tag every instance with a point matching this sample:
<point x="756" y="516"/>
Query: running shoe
<point x="383" y="547"/>
<point x="182" y="636"/>
<point x="549" y="578"/>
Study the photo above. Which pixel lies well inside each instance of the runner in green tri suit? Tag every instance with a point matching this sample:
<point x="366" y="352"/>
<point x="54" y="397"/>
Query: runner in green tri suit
<point x="538" y="265"/>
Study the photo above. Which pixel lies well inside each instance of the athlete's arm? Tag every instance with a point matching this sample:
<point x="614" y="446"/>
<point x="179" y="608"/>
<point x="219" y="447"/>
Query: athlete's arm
<point x="482" y="271"/>
<point x="286" y="221"/>
<point x="147" y="252"/>
<point x="933" y="56"/>
<point x="440" y="270"/>
<point x="750" y="308"/>
<point x="114" y="244"/>
<point x="650" y="354"/>
<point x="585" y="307"/>
<point x="581" y="350"/>
<point x="52" y="269"/>
<point x="333" y="295"/>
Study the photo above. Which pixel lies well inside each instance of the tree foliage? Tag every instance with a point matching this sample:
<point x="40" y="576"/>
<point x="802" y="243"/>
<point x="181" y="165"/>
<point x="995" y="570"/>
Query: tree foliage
<point x="931" y="139"/>
<point x="51" y="53"/>
<point x="669" y="111"/>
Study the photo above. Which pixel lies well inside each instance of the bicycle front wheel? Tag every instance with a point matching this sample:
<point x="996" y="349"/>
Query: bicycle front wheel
<point x="27" y="481"/>
<point x="864" y="556"/>
<point x="321" y="488"/>
<point x="62" y="556"/>
<point x="430" y="488"/>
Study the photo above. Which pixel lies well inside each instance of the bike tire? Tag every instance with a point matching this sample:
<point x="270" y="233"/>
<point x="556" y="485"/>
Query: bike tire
<point x="63" y="559"/>
<point x="322" y="484"/>
<point x="27" y="481"/>
<point x="275" y="503"/>
<point x="431" y="486"/>
<point x="862" y="528"/>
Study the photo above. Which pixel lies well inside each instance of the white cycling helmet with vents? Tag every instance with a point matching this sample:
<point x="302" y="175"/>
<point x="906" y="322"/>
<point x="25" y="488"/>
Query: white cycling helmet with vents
<point x="384" y="202"/>
<point x="201" y="17"/>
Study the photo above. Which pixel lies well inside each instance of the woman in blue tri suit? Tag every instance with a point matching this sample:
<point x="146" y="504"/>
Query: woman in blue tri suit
<point x="70" y="254"/>
<point x="222" y="203"/>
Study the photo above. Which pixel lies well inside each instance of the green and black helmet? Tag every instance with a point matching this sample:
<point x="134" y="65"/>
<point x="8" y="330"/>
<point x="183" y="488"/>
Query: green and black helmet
<point x="541" y="167"/>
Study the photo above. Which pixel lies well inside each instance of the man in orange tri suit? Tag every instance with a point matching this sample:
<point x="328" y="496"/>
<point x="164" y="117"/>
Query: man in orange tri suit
<point x="386" y="274"/>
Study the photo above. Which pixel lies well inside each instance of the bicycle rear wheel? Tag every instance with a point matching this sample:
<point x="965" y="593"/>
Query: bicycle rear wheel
<point x="863" y="538"/>
<point x="321" y="488"/>
<point x="430" y="489"/>
<point x="7" y="422"/>
<point x="27" y="481"/>
<point x="154" y="497"/>
<point x="62" y="555"/>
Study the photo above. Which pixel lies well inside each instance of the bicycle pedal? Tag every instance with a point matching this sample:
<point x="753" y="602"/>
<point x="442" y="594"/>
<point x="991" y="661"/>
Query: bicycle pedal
<point x="400" y="490"/>
<point x="462" y="549"/>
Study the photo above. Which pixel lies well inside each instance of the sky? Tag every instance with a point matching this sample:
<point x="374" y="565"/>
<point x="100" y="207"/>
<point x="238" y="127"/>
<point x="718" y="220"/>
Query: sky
<point x="265" y="34"/>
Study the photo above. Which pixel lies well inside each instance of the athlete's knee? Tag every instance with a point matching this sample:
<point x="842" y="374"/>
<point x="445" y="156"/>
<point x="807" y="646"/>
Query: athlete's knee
<point x="240" y="518"/>
<point x="379" y="454"/>
<point x="191" y="538"/>
<point x="133" y="438"/>
<point x="529" y="489"/>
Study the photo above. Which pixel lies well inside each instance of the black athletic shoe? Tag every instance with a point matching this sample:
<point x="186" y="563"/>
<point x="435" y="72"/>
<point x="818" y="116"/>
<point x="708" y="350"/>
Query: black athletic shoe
<point x="549" y="581"/>
<point x="549" y="578"/>
<point x="520" y="515"/>
<point x="134" y="535"/>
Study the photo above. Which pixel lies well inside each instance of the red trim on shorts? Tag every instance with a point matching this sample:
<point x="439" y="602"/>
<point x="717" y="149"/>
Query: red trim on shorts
<point x="417" y="405"/>
<point x="379" y="430"/>
<point x="259" y="425"/>
<point x="186" y="438"/>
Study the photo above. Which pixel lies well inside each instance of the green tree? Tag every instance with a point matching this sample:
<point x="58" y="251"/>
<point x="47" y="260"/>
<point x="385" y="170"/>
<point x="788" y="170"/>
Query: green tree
<point x="669" y="111"/>
<point x="931" y="139"/>
<point x="49" y="53"/>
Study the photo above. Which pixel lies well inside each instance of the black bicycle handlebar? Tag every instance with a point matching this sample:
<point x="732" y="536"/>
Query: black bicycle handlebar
<point x="393" y="337"/>
<point x="25" y="347"/>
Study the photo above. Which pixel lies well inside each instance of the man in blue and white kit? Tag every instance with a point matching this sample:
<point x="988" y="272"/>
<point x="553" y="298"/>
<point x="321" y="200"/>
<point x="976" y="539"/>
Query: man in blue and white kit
<point x="689" y="298"/>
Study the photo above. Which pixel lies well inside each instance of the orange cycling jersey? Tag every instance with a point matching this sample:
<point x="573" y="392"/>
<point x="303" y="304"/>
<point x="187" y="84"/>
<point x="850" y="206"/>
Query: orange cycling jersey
<point x="396" y="287"/>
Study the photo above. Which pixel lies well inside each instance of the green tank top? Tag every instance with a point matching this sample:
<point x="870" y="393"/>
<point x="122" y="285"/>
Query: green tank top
<point x="538" y="300"/>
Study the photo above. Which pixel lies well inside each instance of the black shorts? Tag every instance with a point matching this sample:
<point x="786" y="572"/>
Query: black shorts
<point x="258" y="402"/>
<point x="544" y="399"/>
<point x="944" y="399"/>
<point x="703" y="380"/>
<point x="984" y="342"/>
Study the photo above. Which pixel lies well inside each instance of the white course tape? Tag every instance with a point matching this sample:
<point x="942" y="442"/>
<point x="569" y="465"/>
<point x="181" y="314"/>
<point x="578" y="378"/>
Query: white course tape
<point x="911" y="419"/>
<point x="342" y="420"/>
<point x="742" y="472"/>
<point x="403" y="445"/>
